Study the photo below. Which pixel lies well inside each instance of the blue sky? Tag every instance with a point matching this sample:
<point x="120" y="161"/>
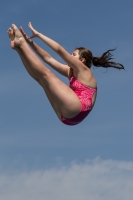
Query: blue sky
<point x="35" y="147"/>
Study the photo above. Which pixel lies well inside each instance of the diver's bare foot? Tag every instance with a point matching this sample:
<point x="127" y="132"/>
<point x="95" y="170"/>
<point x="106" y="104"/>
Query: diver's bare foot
<point x="15" y="36"/>
<point x="11" y="36"/>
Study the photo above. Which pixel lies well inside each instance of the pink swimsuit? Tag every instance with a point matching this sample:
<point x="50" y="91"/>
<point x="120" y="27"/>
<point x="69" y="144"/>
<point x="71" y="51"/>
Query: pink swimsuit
<point x="85" y="95"/>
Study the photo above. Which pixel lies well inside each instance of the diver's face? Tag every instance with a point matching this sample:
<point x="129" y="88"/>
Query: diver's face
<point x="76" y="54"/>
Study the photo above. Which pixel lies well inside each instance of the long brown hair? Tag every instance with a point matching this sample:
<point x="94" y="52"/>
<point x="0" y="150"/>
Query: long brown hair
<point x="103" y="61"/>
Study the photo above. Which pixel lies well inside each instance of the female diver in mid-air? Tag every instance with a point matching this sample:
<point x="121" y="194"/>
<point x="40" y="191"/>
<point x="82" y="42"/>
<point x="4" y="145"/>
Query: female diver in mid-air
<point x="71" y="103"/>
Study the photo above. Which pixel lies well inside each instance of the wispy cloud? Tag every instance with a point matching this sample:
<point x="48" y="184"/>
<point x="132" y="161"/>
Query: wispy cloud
<point x="96" y="180"/>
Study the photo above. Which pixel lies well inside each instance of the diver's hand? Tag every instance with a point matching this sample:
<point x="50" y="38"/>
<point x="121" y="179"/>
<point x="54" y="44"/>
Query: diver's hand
<point x="34" y="32"/>
<point x="26" y="37"/>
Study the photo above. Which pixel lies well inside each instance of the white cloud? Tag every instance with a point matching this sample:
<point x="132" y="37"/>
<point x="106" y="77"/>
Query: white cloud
<point x="94" y="180"/>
